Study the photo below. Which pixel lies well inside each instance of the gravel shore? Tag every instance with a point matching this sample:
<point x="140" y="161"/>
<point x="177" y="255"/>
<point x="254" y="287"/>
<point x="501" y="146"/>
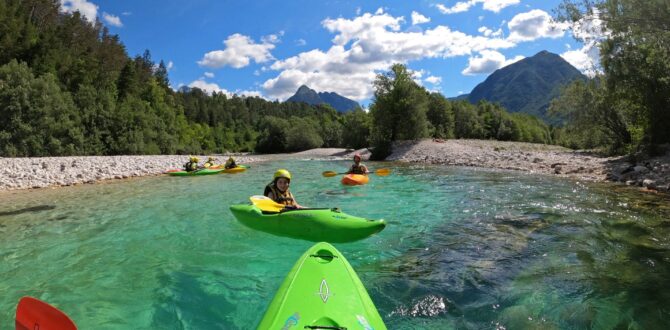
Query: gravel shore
<point x="652" y="174"/>
<point x="40" y="172"/>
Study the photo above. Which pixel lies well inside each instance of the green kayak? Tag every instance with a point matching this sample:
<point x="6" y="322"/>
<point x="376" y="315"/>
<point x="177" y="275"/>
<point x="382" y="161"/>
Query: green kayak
<point x="322" y="291"/>
<point x="196" y="172"/>
<point x="316" y="225"/>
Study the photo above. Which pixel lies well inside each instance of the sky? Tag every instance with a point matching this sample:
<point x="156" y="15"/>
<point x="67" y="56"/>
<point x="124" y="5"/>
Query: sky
<point x="270" y="48"/>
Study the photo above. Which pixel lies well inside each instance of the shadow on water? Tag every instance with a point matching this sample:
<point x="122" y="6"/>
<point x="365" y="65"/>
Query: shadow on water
<point x="180" y="302"/>
<point x="31" y="209"/>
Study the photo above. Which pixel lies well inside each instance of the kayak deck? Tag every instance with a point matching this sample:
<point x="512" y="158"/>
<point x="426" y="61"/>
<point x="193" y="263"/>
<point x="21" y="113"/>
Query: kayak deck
<point x="322" y="291"/>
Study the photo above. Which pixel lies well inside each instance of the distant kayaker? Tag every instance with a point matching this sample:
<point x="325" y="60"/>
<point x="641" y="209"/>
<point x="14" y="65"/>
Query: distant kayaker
<point x="209" y="162"/>
<point x="191" y="165"/>
<point x="230" y="163"/>
<point x="358" y="167"/>
<point x="278" y="189"/>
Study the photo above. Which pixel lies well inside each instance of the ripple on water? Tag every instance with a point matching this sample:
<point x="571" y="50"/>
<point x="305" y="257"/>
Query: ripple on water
<point x="464" y="248"/>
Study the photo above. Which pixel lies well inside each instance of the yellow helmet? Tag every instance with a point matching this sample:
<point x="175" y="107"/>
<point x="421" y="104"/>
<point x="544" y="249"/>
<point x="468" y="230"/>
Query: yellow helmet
<point x="282" y="173"/>
<point x="195" y="159"/>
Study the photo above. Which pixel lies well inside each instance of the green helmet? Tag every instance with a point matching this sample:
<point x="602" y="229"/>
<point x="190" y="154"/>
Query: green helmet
<point x="282" y="173"/>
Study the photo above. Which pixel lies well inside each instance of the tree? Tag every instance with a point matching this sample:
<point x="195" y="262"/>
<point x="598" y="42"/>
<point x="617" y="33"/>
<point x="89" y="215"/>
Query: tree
<point x="398" y="109"/>
<point x="635" y="58"/>
<point x="441" y="116"/>
<point x="356" y="132"/>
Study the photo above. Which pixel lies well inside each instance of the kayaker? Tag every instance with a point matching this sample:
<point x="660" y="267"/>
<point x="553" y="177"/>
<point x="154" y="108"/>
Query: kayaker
<point x="358" y="167"/>
<point x="209" y="162"/>
<point x="230" y="163"/>
<point x="191" y="165"/>
<point x="278" y="190"/>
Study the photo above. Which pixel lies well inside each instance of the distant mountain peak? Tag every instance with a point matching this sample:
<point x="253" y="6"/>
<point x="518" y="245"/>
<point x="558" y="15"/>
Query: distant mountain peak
<point x="305" y="89"/>
<point x="310" y="96"/>
<point x="527" y="85"/>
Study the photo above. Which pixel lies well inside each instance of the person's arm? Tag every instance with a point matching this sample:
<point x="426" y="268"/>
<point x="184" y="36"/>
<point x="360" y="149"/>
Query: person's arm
<point x="366" y="169"/>
<point x="270" y="195"/>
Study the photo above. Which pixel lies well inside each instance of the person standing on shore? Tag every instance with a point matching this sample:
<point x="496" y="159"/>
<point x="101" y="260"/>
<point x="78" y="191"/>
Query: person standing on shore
<point x="278" y="190"/>
<point x="192" y="164"/>
<point x="358" y="167"/>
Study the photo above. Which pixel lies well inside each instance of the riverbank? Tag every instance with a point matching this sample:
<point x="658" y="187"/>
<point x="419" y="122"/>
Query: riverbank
<point x="651" y="174"/>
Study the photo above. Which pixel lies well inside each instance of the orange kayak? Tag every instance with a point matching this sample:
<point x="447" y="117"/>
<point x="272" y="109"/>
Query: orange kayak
<point x="355" y="179"/>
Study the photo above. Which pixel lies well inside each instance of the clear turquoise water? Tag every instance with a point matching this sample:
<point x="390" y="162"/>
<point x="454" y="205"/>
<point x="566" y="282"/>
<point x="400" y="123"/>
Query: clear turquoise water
<point x="464" y="248"/>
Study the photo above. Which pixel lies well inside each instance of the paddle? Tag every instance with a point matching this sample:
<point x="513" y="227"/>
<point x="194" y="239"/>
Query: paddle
<point x="380" y="172"/>
<point x="266" y="204"/>
<point x="32" y="313"/>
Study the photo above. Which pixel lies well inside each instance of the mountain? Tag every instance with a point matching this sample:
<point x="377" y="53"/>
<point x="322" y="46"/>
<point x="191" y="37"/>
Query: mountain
<point x="528" y="85"/>
<point x="310" y="96"/>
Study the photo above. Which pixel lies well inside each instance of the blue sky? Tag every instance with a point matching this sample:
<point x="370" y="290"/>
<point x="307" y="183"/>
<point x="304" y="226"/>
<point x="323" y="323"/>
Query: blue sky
<point x="270" y="48"/>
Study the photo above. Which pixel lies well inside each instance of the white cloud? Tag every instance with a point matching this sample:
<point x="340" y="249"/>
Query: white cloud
<point x="419" y="19"/>
<point x="434" y="80"/>
<point x="534" y="24"/>
<point x="170" y="65"/>
<point x="112" y="20"/>
<point x="213" y="87"/>
<point x="490" y="33"/>
<point x="487" y="62"/>
<point x="209" y="74"/>
<point x="208" y="87"/>
<point x="87" y="9"/>
<point x="374" y="43"/>
<point x="491" y="5"/>
<point x="370" y="43"/>
<point x="240" y="50"/>
<point x="300" y="42"/>
<point x="497" y="5"/>
<point x="272" y="38"/>
<point x="590" y="31"/>
<point x="126" y="13"/>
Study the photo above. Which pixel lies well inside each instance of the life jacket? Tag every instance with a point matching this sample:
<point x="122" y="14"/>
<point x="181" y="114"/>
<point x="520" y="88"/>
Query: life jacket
<point x="190" y="166"/>
<point x="357" y="169"/>
<point x="230" y="164"/>
<point x="285" y="198"/>
<point x="209" y="164"/>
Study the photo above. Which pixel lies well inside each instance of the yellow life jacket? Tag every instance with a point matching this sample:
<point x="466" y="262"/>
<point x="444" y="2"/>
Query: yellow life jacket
<point x="285" y="198"/>
<point x="357" y="169"/>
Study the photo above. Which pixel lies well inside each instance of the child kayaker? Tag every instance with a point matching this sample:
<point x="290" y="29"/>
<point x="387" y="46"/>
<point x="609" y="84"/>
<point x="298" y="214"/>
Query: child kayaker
<point x="358" y="167"/>
<point x="278" y="190"/>
<point x="230" y="163"/>
<point x="191" y="165"/>
<point x="209" y="162"/>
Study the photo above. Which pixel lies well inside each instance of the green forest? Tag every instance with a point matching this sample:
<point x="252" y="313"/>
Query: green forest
<point x="69" y="87"/>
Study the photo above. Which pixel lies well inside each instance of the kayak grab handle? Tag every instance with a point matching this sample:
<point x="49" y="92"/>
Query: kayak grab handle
<point x="324" y="256"/>
<point x="324" y="327"/>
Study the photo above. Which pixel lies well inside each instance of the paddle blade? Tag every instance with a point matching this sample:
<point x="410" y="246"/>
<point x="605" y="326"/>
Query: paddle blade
<point x="32" y="313"/>
<point x="383" y="172"/>
<point x="329" y="174"/>
<point x="266" y="204"/>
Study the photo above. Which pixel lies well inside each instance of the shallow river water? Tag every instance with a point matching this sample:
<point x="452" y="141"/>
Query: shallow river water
<point x="463" y="248"/>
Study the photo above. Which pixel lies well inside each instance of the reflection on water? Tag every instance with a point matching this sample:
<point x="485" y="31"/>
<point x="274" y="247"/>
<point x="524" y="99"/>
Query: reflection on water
<point x="464" y="248"/>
